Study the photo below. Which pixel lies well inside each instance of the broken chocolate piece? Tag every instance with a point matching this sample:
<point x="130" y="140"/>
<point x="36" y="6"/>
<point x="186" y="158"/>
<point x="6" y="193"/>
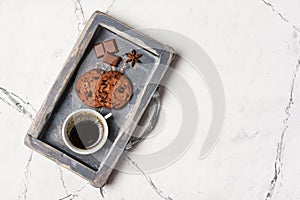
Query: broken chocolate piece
<point x="99" y="50"/>
<point x="110" y="46"/>
<point x="111" y="59"/>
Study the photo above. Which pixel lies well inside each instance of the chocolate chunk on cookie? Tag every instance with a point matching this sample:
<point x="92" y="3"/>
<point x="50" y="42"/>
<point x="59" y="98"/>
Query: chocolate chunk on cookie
<point x="114" y="90"/>
<point x="86" y="87"/>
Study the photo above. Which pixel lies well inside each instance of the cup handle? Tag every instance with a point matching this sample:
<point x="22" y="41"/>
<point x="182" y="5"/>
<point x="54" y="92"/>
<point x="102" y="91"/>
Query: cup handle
<point x="108" y="115"/>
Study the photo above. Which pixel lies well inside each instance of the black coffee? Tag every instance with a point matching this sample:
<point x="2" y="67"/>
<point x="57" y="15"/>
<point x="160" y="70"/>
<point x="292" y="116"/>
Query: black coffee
<point x="85" y="134"/>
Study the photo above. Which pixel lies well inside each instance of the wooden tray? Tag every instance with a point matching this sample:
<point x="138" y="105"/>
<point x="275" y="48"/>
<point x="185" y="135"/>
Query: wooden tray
<point x="44" y="135"/>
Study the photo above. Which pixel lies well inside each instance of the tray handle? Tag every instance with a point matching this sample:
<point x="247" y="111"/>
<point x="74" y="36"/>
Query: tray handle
<point x="139" y="135"/>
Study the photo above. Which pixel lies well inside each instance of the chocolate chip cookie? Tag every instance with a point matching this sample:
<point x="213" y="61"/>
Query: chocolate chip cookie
<point x="114" y="90"/>
<point x="86" y="87"/>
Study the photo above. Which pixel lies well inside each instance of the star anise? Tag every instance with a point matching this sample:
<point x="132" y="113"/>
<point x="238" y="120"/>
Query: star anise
<point x="133" y="57"/>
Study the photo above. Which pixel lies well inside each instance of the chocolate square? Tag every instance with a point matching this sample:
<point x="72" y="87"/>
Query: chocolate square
<point x="111" y="59"/>
<point x="110" y="46"/>
<point x="99" y="50"/>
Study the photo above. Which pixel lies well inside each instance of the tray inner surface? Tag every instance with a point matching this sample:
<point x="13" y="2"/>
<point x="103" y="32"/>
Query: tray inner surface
<point x="69" y="101"/>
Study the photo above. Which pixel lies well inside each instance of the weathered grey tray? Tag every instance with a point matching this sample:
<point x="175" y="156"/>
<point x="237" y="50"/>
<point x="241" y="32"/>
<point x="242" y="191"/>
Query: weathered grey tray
<point x="44" y="135"/>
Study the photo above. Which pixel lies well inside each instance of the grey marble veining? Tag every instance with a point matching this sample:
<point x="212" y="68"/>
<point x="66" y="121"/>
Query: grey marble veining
<point x="255" y="46"/>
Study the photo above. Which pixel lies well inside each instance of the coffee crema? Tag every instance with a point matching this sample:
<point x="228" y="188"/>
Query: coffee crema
<point x="86" y="134"/>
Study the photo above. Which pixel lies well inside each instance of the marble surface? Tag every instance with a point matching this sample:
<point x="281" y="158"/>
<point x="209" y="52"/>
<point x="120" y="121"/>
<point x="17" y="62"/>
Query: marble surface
<point x="255" y="47"/>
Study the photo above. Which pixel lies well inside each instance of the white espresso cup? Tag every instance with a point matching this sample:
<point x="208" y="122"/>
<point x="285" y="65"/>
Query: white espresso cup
<point x="85" y="131"/>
